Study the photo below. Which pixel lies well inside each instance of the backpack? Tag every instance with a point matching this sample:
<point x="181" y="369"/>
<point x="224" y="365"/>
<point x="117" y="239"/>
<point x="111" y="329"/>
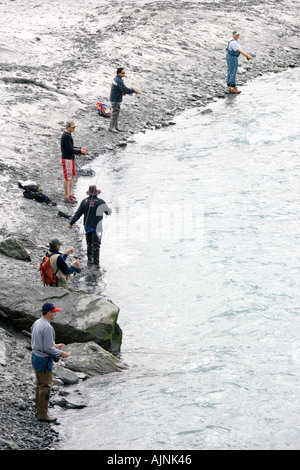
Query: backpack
<point x="37" y="195"/>
<point x="47" y="274"/>
<point x="103" y="110"/>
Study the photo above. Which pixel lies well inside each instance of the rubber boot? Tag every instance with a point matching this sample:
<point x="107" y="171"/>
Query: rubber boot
<point x="89" y="251"/>
<point x="42" y="408"/>
<point x="44" y="380"/>
<point x="96" y="251"/>
<point x="114" y="117"/>
<point x="96" y="264"/>
<point x="234" y="90"/>
<point x="113" y="123"/>
<point x="118" y="129"/>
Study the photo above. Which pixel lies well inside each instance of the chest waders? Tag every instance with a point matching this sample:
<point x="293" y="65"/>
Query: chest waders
<point x="232" y="65"/>
<point x="113" y="127"/>
<point x="93" y="242"/>
<point x="42" y="389"/>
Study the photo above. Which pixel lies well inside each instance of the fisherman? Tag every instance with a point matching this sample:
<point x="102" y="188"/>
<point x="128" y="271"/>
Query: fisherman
<point x="118" y="90"/>
<point x="44" y="350"/>
<point x="59" y="265"/>
<point x="68" y="152"/>
<point x="93" y="209"/>
<point x="233" y="51"/>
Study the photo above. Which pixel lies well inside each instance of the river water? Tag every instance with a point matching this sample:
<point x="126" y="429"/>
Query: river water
<point x="202" y="255"/>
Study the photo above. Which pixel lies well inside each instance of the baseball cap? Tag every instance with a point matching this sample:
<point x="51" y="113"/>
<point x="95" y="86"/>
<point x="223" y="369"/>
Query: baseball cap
<point x="235" y="32"/>
<point x="54" y="242"/>
<point x="70" y="124"/>
<point x="47" y="307"/>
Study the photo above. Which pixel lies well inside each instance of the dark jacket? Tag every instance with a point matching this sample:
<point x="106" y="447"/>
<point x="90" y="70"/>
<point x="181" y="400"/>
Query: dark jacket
<point x="68" y="151"/>
<point x="61" y="262"/>
<point x="118" y="89"/>
<point x="93" y="209"/>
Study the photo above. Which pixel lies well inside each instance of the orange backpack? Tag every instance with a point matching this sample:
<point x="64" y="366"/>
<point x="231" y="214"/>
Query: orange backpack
<point x="47" y="274"/>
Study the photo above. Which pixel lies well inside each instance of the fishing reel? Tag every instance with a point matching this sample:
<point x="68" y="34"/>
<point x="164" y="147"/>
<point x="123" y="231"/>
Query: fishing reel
<point x="77" y="270"/>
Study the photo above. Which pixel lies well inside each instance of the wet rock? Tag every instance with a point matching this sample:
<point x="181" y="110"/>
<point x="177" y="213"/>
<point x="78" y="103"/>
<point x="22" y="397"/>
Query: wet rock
<point x="13" y="248"/>
<point x="66" y="376"/>
<point x="64" y="211"/>
<point x="72" y="400"/>
<point x="91" y="359"/>
<point x="8" y="444"/>
<point x="85" y="172"/>
<point x="83" y="317"/>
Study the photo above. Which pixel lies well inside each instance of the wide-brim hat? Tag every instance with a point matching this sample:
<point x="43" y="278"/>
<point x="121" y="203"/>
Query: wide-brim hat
<point x="93" y="191"/>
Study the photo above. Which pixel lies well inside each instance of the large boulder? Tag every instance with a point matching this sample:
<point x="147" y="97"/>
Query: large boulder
<point x="91" y="359"/>
<point x="83" y="317"/>
<point x="14" y="248"/>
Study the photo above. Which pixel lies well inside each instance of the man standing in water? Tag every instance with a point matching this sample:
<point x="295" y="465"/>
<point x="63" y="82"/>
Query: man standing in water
<point x="44" y="350"/>
<point x="92" y="208"/>
<point x="233" y="51"/>
<point x="68" y="152"/>
<point x="118" y="89"/>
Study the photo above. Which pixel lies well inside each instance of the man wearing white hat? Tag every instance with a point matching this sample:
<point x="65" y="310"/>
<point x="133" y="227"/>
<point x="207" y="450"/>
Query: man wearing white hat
<point x="233" y="51"/>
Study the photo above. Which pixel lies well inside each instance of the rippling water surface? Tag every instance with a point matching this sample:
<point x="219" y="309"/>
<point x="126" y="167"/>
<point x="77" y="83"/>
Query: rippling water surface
<point x="202" y="255"/>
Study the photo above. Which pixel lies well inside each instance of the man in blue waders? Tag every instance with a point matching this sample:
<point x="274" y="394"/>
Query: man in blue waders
<point x="233" y="51"/>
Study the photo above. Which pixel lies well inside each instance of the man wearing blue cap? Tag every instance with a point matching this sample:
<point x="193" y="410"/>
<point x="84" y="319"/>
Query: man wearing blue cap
<point x="44" y="350"/>
<point x="233" y="51"/>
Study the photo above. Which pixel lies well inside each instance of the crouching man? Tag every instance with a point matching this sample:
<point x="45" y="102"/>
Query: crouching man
<point x="44" y="350"/>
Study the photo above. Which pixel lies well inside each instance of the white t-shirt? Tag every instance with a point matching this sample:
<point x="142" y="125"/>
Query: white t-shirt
<point x="233" y="45"/>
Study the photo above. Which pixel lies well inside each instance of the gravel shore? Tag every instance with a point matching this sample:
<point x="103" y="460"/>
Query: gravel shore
<point x="55" y="65"/>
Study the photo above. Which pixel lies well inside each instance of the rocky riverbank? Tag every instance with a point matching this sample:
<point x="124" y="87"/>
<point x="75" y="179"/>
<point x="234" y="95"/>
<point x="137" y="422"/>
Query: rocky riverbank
<point x="55" y="65"/>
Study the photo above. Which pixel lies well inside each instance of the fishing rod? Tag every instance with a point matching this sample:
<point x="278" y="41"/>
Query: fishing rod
<point x="32" y="243"/>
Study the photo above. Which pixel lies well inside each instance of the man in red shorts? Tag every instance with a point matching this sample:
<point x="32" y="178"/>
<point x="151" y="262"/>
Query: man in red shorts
<point x="68" y="152"/>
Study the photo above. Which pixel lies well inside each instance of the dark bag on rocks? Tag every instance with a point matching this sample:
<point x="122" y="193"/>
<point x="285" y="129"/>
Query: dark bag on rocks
<point x="34" y="192"/>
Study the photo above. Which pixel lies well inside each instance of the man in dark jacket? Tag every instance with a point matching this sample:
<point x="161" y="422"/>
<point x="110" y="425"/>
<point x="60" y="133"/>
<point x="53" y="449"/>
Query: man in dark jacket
<point x="118" y="90"/>
<point x="68" y="152"/>
<point x="92" y="208"/>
